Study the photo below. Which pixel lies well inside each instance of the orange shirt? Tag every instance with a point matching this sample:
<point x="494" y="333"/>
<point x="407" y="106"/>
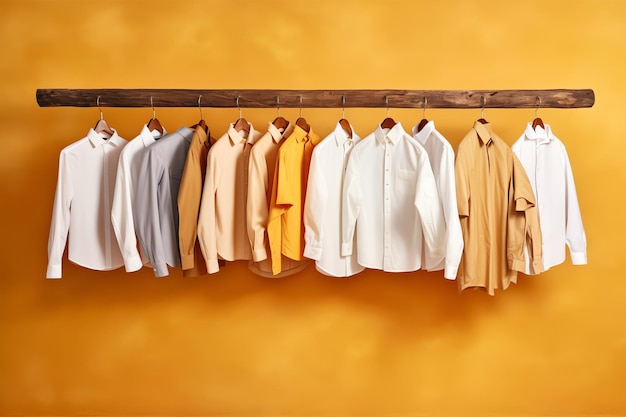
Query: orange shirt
<point x="497" y="212"/>
<point x="285" y="228"/>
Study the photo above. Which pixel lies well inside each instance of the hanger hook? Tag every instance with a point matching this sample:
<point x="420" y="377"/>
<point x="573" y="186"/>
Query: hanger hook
<point x="538" y="105"/>
<point x="239" y="107"/>
<point x="300" y="106"/>
<point x="482" y="107"/>
<point x="278" y="105"/>
<point x="424" y="108"/>
<point x="343" y="107"/>
<point x="200" y="106"/>
<point x="387" y="103"/>
<point x="99" y="108"/>
<point x="153" y="110"/>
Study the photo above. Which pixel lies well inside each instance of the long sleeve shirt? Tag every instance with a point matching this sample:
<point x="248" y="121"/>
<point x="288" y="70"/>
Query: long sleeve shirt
<point x="441" y="157"/>
<point x="155" y="211"/>
<point x="548" y="167"/>
<point x="322" y="207"/>
<point x="390" y="200"/>
<point x="82" y="205"/>
<point x="497" y="210"/>
<point x="124" y="196"/>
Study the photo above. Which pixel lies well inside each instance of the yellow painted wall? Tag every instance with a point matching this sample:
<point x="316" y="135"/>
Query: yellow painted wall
<point x="111" y="343"/>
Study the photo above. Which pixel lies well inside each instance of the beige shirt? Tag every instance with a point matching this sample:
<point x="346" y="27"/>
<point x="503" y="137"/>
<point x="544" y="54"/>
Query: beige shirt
<point x="497" y="211"/>
<point x="222" y="222"/>
<point x="260" y="176"/>
<point x="189" y="195"/>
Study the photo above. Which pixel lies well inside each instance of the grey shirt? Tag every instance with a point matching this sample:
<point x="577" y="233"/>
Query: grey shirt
<point x="155" y="211"/>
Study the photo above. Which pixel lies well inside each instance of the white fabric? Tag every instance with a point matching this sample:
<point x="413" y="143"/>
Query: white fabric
<point x="124" y="195"/>
<point x="82" y="205"/>
<point x="548" y="167"/>
<point x="322" y="207"/>
<point x="390" y="200"/>
<point x="441" y="158"/>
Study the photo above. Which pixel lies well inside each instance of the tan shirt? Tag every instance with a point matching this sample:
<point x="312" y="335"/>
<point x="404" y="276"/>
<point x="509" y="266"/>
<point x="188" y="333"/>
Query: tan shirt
<point x="222" y="222"/>
<point x="497" y="211"/>
<point x="260" y="177"/>
<point x="285" y="228"/>
<point x="189" y="195"/>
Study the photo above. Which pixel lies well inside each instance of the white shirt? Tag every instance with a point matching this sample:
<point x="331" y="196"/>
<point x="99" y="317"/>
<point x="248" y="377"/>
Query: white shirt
<point x="390" y="198"/>
<point x="441" y="157"/>
<point x="124" y="195"/>
<point x="546" y="162"/>
<point x="82" y="205"/>
<point x="322" y="207"/>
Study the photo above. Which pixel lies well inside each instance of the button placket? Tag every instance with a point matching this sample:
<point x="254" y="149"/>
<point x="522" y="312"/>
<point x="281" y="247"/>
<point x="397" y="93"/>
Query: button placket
<point x="387" y="206"/>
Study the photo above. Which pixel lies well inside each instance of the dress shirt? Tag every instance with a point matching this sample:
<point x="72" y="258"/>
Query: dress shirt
<point x="285" y="225"/>
<point x="82" y="205"/>
<point x="390" y="198"/>
<point x="497" y="211"/>
<point x="260" y="178"/>
<point x="548" y="167"/>
<point x="222" y="229"/>
<point x="189" y="197"/>
<point x="124" y="196"/>
<point x="322" y="207"/>
<point x="441" y="158"/>
<point x="155" y="211"/>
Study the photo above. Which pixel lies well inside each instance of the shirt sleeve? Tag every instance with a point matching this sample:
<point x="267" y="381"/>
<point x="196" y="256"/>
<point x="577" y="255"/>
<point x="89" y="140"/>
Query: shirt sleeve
<point x="59" y="226"/>
<point x="447" y="193"/>
<point x="574" y="233"/>
<point x="279" y="204"/>
<point x="189" y="195"/>
<point x="351" y="203"/>
<point x="122" y="216"/>
<point x="314" y="208"/>
<point x="430" y="211"/>
<point x="207" y="222"/>
<point x="257" y="205"/>
<point x="146" y="210"/>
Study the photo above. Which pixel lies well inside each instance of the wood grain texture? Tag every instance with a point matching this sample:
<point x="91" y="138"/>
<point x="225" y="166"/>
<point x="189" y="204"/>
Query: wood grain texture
<point x="450" y="99"/>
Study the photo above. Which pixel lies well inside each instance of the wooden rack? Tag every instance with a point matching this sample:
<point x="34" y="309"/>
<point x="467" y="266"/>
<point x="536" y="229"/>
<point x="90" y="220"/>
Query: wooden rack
<point x="448" y="99"/>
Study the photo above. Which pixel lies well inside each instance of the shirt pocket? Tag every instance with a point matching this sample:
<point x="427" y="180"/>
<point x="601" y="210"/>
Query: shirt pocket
<point x="405" y="182"/>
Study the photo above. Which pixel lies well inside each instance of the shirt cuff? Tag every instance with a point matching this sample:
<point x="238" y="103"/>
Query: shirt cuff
<point x="160" y="269"/>
<point x="259" y="255"/>
<point x="450" y="272"/>
<point x="346" y="249"/>
<point x="313" y="252"/>
<point x="188" y="261"/>
<point x="518" y="265"/>
<point x="537" y="266"/>
<point x="133" y="263"/>
<point x="54" y="271"/>
<point x="578" y="258"/>
<point x="213" y="266"/>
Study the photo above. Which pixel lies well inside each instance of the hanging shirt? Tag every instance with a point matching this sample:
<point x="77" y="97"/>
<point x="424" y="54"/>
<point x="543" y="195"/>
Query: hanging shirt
<point x="390" y="199"/>
<point x="222" y="223"/>
<point x="82" y="205"/>
<point x="497" y="210"/>
<point x="260" y="178"/>
<point x="548" y="167"/>
<point x="124" y="196"/>
<point x="441" y="158"/>
<point x="285" y="229"/>
<point x="322" y="207"/>
<point x="189" y="197"/>
<point x="155" y="211"/>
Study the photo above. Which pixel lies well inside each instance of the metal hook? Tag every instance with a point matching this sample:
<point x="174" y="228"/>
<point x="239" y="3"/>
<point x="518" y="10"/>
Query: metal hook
<point x="387" y="103"/>
<point x="343" y="107"/>
<point x="424" y="108"/>
<point x="482" y="107"/>
<point x="538" y="105"/>
<point x="200" y="106"/>
<point x="99" y="108"/>
<point x="153" y="111"/>
<point x="239" y="107"/>
<point x="278" y="105"/>
<point x="300" y="106"/>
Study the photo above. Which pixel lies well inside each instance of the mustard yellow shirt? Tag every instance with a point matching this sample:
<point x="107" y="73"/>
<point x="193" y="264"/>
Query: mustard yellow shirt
<point x="285" y="228"/>
<point x="497" y="212"/>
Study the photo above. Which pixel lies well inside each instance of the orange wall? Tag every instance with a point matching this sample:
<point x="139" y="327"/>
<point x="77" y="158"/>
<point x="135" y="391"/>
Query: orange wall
<point x="111" y="343"/>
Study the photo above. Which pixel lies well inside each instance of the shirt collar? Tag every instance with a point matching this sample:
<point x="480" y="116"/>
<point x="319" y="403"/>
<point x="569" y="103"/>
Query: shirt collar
<point x="186" y="133"/>
<point x="300" y="134"/>
<point x="423" y="135"/>
<point x="341" y="136"/>
<point x="97" y="140"/>
<point x="276" y="134"/>
<point x="484" y="132"/>
<point x="149" y="137"/>
<point x="394" y="134"/>
<point x="538" y="134"/>
<point x="236" y="137"/>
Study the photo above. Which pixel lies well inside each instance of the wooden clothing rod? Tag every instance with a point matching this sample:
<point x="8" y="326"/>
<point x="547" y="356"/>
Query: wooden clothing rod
<point x="445" y="99"/>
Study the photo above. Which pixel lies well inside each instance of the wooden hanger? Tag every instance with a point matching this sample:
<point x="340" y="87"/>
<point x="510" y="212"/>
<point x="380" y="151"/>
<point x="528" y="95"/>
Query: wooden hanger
<point x="538" y="121"/>
<point x="388" y="123"/>
<point x="154" y="124"/>
<point x="241" y="123"/>
<point x="482" y="111"/>
<point x="302" y="121"/>
<point x="424" y="120"/>
<point x="345" y="124"/>
<point x="201" y="123"/>
<point x="101" y="125"/>
<point x="279" y="122"/>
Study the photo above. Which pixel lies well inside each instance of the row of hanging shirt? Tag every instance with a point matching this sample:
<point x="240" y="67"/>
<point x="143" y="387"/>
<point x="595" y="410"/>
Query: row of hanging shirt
<point x="390" y="201"/>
